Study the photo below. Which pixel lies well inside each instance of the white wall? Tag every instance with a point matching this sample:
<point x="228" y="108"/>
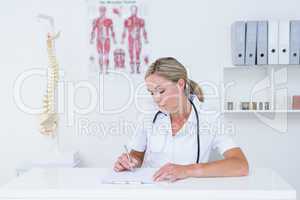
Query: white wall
<point x="195" y="32"/>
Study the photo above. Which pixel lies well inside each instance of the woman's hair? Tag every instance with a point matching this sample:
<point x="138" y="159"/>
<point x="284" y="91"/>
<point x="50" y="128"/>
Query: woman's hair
<point x="172" y="70"/>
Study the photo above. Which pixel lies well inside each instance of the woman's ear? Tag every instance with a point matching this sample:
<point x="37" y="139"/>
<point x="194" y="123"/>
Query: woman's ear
<point x="181" y="84"/>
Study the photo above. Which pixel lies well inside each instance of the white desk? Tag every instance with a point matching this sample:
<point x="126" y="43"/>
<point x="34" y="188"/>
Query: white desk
<point x="85" y="183"/>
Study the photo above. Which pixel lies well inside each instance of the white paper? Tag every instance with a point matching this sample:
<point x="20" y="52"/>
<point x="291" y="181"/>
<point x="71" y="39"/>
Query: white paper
<point x="137" y="176"/>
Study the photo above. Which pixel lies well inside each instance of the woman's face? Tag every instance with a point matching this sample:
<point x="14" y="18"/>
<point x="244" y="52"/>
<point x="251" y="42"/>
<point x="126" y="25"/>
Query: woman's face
<point x="166" y="94"/>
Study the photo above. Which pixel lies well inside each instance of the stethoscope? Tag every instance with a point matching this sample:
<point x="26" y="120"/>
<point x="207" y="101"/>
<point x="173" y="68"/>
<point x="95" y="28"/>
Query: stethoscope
<point x="198" y="127"/>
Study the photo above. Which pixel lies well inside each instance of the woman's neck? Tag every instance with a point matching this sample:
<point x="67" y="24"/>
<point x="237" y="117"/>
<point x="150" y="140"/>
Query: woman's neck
<point x="179" y="118"/>
<point x="184" y="109"/>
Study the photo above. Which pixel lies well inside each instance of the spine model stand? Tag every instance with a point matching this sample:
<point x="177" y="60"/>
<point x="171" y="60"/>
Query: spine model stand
<point x="49" y="117"/>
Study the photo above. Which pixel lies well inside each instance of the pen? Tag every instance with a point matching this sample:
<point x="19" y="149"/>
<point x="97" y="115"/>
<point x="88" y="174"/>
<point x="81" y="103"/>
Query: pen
<point x="128" y="156"/>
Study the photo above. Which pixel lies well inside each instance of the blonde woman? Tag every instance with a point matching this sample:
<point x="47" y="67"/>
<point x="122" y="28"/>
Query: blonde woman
<point x="181" y="135"/>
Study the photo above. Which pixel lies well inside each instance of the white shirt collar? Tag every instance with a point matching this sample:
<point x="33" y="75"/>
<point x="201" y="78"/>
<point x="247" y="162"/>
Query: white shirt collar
<point x="192" y="117"/>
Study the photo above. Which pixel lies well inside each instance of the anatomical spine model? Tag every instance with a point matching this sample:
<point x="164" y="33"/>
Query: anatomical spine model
<point x="49" y="117"/>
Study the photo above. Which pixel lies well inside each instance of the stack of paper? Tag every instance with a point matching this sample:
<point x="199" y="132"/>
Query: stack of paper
<point x="50" y="160"/>
<point x="58" y="159"/>
<point x="137" y="176"/>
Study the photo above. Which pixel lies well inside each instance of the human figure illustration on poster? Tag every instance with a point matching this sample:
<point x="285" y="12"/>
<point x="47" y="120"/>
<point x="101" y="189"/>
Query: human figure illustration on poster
<point x="134" y="29"/>
<point x="118" y="36"/>
<point x="102" y="31"/>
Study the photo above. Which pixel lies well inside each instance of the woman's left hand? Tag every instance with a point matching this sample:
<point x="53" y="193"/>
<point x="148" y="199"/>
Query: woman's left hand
<point x="171" y="172"/>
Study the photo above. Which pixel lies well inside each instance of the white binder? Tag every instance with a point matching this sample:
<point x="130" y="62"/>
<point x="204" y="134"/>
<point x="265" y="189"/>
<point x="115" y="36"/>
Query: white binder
<point x="251" y="32"/>
<point x="262" y="43"/>
<point x="295" y="42"/>
<point x="238" y="42"/>
<point x="284" y="42"/>
<point x="273" y="42"/>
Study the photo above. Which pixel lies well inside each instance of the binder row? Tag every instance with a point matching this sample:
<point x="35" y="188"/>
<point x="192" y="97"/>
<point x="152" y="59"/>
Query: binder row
<point x="265" y="42"/>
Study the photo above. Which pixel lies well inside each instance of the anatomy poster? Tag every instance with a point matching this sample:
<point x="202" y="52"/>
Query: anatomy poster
<point x="118" y="36"/>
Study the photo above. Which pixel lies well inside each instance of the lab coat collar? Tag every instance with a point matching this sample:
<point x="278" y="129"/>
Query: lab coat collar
<point x="192" y="117"/>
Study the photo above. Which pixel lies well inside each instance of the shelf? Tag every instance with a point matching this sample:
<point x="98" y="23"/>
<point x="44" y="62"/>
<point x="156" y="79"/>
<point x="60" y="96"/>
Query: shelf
<point x="260" y="67"/>
<point x="288" y="111"/>
<point x="276" y="84"/>
<point x="261" y="111"/>
<point x="248" y="111"/>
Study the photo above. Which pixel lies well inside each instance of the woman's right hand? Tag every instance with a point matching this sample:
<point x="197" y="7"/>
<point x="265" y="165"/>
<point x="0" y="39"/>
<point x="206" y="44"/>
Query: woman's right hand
<point x="123" y="164"/>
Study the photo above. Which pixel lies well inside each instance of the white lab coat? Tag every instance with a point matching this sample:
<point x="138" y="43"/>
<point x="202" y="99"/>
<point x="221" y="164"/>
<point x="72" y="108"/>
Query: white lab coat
<point x="161" y="147"/>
